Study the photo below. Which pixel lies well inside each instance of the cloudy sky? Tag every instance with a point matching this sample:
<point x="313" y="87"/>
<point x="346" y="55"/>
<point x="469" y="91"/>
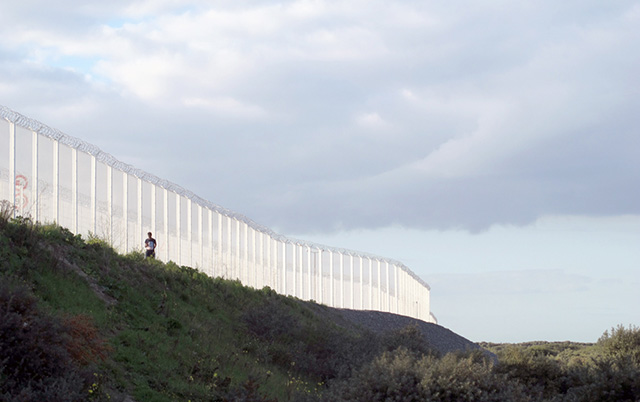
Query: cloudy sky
<point x="493" y="147"/>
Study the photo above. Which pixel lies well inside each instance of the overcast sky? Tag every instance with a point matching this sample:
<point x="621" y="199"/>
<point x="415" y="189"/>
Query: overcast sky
<point x="493" y="147"/>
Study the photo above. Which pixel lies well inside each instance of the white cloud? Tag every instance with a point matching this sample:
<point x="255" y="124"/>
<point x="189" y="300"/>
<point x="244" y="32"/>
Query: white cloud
<point x="149" y="78"/>
<point x="227" y="107"/>
<point x="307" y="9"/>
<point x="371" y="120"/>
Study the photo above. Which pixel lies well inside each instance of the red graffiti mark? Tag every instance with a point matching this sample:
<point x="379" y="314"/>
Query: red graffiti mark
<point x="21" y="185"/>
<point x="21" y="182"/>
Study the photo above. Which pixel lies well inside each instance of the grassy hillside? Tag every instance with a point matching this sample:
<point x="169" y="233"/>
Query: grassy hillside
<point x="80" y="322"/>
<point x="118" y="327"/>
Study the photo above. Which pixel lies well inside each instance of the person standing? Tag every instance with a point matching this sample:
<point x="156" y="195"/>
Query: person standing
<point x="150" y="245"/>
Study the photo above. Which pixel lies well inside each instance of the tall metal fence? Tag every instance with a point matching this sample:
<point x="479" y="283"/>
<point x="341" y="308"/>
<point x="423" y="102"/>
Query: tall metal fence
<point x="53" y="177"/>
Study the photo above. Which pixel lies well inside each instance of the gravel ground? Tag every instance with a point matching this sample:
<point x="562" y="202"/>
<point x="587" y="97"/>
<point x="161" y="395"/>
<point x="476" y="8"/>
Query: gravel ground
<point x="440" y="338"/>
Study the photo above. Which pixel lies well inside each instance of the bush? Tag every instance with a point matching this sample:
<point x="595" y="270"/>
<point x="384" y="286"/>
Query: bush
<point x="56" y="233"/>
<point x="541" y="375"/>
<point x="43" y="358"/>
<point x="22" y="231"/>
<point x="621" y="342"/>
<point x="606" y="380"/>
<point x="409" y="337"/>
<point x="467" y="376"/>
<point x="401" y="376"/>
<point x="6" y="213"/>
<point x="34" y="361"/>
<point x="392" y="376"/>
<point x="614" y="375"/>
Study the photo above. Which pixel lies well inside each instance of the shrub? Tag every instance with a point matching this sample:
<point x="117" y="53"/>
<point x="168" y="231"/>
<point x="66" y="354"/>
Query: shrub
<point x="34" y="360"/>
<point x="22" y="231"/>
<point x="467" y="376"/>
<point x="606" y="380"/>
<point x="539" y="374"/>
<point x="409" y="337"/>
<point x="400" y="376"/>
<point x="392" y="376"/>
<point x="6" y="213"/>
<point x="56" y="233"/>
<point x="622" y="342"/>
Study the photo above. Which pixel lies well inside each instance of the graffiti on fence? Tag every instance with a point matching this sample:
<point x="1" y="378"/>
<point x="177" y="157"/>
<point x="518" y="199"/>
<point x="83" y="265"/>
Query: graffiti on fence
<point x="22" y="199"/>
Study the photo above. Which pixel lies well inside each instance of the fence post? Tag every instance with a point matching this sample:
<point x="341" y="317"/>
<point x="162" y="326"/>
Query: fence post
<point x="388" y="287"/>
<point x="379" y="287"/>
<point x="301" y="273"/>
<point x="331" y="298"/>
<point x="12" y="167"/>
<point x="370" y="284"/>
<point x="56" y="181"/>
<point x="212" y="261"/>
<point x="178" y="246"/>
<point x="201" y="237"/>
<point x="260" y="264"/>
<point x="74" y="188"/>
<point x="109" y="203"/>
<point x="94" y="194"/>
<point x="269" y="265"/>
<point x="284" y="268"/>
<point x="273" y="262"/>
<point x="166" y="224"/>
<point x="34" y="176"/>
<point x="395" y="289"/>
<point x="153" y="213"/>
<point x="361" y="283"/>
<point x="237" y="245"/>
<point x="220" y="257"/>
<point x="245" y="256"/>
<point x="309" y="274"/>
<point x="320" y="269"/>
<point x="141" y="235"/>
<point x="342" y="303"/>
<point x="189" y="230"/>
<point x="353" y="288"/>
<point x="229" y="252"/>
<point x="257" y="256"/>
<point x="294" y="267"/>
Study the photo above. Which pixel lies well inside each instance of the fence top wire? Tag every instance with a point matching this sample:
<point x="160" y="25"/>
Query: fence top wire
<point x="106" y="158"/>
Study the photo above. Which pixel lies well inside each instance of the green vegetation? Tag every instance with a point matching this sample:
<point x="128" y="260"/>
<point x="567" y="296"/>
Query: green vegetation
<point x="80" y="322"/>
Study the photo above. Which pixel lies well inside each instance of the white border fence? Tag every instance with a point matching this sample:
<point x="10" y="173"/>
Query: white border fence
<point x="57" y="178"/>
